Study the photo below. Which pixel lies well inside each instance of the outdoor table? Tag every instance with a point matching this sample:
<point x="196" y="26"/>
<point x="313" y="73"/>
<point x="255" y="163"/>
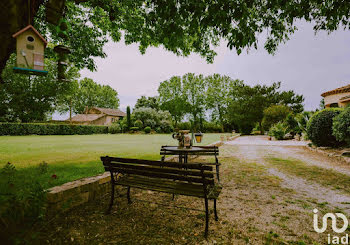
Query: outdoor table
<point x="184" y="152"/>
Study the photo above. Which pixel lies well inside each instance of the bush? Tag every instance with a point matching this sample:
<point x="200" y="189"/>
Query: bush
<point x="278" y="130"/>
<point x="341" y="126"/>
<point x="292" y="124"/>
<point x="134" y="129"/>
<point x="211" y="127"/>
<point x="50" y="129"/>
<point x="114" y="129"/>
<point x="166" y="127"/>
<point x="319" y="127"/>
<point x="184" y="125"/>
<point x="147" y="130"/>
<point x="138" y="123"/>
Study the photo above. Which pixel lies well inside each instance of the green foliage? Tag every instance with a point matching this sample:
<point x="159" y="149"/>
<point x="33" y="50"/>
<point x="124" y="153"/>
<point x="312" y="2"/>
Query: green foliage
<point x="248" y="103"/>
<point x="151" y="102"/>
<point x="211" y="127"/>
<point x="91" y="94"/>
<point x="138" y="123"/>
<point x="115" y="128"/>
<point x="303" y="119"/>
<point x="278" y="130"/>
<point x="49" y="129"/>
<point x="31" y="98"/>
<point x="341" y="126"/>
<point x="274" y="114"/>
<point x="22" y="200"/>
<point x="147" y="130"/>
<point x="128" y="117"/>
<point x="292" y="124"/>
<point x="184" y="125"/>
<point x="319" y="128"/>
<point x="134" y="129"/>
<point x="152" y="118"/>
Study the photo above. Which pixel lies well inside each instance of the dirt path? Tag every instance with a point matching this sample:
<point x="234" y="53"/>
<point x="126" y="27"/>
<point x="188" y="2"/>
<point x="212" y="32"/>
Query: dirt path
<point x="269" y="192"/>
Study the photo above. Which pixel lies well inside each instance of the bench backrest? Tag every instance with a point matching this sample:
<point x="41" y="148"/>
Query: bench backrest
<point x="204" y="151"/>
<point x="189" y="172"/>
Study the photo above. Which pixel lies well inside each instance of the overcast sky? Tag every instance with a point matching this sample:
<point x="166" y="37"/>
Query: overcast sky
<point x="309" y="64"/>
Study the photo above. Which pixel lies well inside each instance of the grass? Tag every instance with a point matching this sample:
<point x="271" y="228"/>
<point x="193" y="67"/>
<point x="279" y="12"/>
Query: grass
<point x="71" y="157"/>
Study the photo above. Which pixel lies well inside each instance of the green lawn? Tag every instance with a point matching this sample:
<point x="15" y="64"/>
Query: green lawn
<point x="71" y="157"/>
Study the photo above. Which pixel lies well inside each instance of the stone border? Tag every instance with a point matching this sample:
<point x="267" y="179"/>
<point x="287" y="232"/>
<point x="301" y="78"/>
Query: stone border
<point x="69" y="195"/>
<point x="328" y="154"/>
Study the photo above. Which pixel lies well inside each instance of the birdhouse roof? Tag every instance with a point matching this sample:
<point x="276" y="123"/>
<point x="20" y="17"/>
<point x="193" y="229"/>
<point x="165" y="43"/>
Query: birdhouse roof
<point x="34" y="30"/>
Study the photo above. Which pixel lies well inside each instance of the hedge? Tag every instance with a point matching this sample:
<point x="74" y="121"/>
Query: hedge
<point x="50" y="129"/>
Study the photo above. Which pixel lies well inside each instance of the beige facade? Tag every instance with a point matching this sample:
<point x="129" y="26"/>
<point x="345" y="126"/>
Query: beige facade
<point x="339" y="97"/>
<point x="98" y="116"/>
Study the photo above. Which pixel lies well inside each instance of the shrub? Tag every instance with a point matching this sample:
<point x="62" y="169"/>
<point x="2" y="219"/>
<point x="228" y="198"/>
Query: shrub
<point x="278" y="130"/>
<point x="292" y="124"/>
<point x="22" y="201"/>
<point x="134" y="129"/>
<point x="147" y="130"/>
<point x="211" y="127"/>
<point x="50" y="129"/>
<point x="138" y="123"/>
<point x="274" y="114"/>
<point x="319" y="127"/>
<point x="166" y="127"/>
<point x="184" y="125"/>
<point x="114" y="128"/>
<point x="341" y="126"/>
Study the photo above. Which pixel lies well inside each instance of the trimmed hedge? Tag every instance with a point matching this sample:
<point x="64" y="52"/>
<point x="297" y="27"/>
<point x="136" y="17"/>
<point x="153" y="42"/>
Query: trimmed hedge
<point x="50" y="129"/>
<point x="319" y="128"/>
<point x="341" y="126"/>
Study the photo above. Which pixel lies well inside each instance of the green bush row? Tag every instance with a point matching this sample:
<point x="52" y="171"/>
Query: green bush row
<point x="50" y="129"/>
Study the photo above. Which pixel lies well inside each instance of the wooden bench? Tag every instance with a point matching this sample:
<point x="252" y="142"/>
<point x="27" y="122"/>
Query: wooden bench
<point x="190" y="179"/>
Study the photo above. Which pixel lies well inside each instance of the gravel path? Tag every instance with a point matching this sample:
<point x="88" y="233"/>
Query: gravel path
<point x="258" y="148"/>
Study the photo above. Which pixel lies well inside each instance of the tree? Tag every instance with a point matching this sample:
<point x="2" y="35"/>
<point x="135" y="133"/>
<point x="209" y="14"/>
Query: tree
<point x="91" y="94"/>
<point x="128" y="117"/>
<point x="172" y="98"/>
<point x="194" y="91"/>
<point x="181" y="27"/>
<point x="31" y="98"/>
<point x="151" y="102"/>
<point x="248" y="103"/>
<point x="218" y="96"/>
<point x="274" y="114"/>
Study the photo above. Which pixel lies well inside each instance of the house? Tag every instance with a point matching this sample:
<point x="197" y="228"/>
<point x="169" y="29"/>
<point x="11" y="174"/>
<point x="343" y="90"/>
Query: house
<point x="339" y="97"/>
<point x="30" y="47"/>
<point x="98" y="116"/>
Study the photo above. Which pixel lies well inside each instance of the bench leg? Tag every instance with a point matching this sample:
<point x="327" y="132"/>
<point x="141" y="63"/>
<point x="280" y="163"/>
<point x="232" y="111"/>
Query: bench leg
<point x="112" y="199"/>
<point x="215" y="212"/>
<point x="206" y="218"/>
<point x="128" y="195"/>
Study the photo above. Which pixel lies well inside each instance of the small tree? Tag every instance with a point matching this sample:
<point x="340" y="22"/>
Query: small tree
<point x="128" y="118"/>
<point x="274" y="114"/>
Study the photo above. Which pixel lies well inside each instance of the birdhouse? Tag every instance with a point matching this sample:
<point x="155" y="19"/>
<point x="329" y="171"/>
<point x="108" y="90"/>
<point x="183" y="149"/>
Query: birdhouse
<point x="30" y="47"/>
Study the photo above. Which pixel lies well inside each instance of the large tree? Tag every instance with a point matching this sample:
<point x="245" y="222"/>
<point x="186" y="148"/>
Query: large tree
<point x="180" y="26"/>
<point x="87" y="93"/>
<point x="151" y="102"/>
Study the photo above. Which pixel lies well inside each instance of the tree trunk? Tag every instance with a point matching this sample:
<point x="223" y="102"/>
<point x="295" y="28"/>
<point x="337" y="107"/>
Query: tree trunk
<point x="14" y="16"/>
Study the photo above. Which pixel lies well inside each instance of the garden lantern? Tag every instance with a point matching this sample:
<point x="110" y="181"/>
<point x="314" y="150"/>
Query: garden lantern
<point x="199" y="137"/>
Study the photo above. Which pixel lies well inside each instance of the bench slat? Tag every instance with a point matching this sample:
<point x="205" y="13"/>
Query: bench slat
<point x="159" y="175"/>
<point x="162" y="170"/>
<point x="198" y="166"/>
<point x="168" y="186"/>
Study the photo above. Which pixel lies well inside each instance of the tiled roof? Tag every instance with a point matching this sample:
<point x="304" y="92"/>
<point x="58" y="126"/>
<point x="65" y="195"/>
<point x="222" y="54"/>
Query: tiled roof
<point x="337" y="91"/>
<point x="111" y="112"/>
<point x="86" y="117"/>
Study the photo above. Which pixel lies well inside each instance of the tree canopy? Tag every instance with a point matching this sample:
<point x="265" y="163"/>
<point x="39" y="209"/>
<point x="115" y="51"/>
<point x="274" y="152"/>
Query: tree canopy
<point x="180" y="26"/>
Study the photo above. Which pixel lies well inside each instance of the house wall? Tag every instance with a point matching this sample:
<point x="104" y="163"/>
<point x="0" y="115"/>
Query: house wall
<point x="334" y="98"/>
<point x="22" y="44"/>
